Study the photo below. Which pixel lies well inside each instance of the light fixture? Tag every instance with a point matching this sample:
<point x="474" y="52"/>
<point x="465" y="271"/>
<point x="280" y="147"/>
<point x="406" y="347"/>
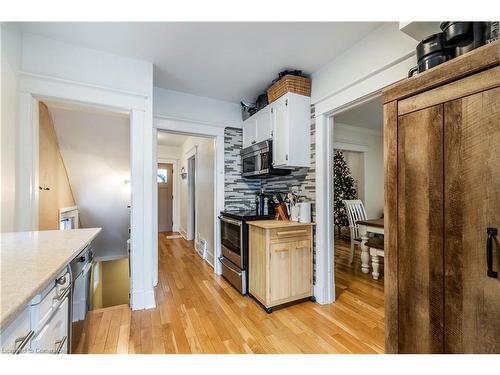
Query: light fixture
<point x="183" y="173"/>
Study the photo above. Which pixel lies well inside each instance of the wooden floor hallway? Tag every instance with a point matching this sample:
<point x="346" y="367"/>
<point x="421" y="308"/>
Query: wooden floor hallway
<point x="199" y="312"/>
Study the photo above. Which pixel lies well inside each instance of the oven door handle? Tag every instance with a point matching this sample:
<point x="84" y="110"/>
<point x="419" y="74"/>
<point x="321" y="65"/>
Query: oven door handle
<point x="230" y="266"/>
<point x="230" y="221"/>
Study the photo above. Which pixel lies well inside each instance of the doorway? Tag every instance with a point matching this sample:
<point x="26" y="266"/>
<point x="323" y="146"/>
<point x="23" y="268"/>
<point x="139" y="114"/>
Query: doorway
<point x="84" y="178"/>
<point x="165" y="197"/>
<point x="358" y="174"/>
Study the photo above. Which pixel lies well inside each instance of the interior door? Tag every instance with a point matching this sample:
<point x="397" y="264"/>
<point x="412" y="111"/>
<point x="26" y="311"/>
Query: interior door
<point x="165" y="197"/>
<point x="420" y="231"/>
<point x="472" y="204"/>
<point x="280" y="271"/>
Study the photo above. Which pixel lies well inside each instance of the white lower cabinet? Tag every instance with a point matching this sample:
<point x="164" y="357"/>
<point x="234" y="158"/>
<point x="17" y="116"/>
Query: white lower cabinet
<point x="43" y="326"/>
<point x="53" y="337"/>
<point x="16" y="337"/>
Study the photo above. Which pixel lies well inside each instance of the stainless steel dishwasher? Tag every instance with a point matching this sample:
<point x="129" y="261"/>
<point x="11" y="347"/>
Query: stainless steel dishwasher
<point x="80" y="304"/>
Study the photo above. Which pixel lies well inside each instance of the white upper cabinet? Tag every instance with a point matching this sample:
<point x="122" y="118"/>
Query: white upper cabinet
<point x="249" y="132"/>
<point x="257" y="128"/>
<point x="287" y="122"/>
<point x="291" y="131"/>
<point x="264" y="124"/>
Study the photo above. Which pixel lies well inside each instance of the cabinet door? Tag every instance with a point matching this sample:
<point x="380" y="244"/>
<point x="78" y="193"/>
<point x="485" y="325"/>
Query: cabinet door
<point x="301" y="268"/>
<point x="16" y="335"/>
<point x="249" y="132"/>
<point x="280" y="133"/>
<point x="472" y="204"/>
<point x="279" y="270"/>
<point x="264" y="124"/>
<point x="420" y="230"/>
<point x="53" y="337"/>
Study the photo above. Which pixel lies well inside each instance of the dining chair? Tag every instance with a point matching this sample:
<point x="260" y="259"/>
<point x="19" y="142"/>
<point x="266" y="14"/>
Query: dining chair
<point x="355" y="211"/>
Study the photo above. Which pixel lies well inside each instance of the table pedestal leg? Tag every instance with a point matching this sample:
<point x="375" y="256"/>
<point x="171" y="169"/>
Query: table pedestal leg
<point x="376" y="266"/>
<point x="365" y="256"/>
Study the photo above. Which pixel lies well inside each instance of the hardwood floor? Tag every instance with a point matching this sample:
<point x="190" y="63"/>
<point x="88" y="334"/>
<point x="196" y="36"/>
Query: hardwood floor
<point x="199" y="312"/>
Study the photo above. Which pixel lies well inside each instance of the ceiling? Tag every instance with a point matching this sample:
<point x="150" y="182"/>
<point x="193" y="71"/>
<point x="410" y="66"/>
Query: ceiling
<point x="172" y="140"/>
<point x="368" y="115"/>
<point x="228" y="61"/>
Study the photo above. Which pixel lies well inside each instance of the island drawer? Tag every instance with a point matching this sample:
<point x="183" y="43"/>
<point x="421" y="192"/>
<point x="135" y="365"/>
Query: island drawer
<point x="296" y="231"/>
<point x="44" y="305"/>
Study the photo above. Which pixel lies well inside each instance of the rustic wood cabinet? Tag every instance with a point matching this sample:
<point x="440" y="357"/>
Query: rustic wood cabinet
<point x="280" y="262"/>
<point x="442" y="193"/>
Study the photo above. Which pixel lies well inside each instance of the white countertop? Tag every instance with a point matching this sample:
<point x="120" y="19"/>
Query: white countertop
<point x="30" y="260"/>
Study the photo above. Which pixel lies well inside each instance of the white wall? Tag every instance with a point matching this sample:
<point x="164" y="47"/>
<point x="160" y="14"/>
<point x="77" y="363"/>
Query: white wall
<point x="96" y="152"/>
<point x="355" y="138"/>
<point x="10" y="66"/>
<point x="77" y="63"/>
<point x="168" y="152"/>
<point x="205" y="182"/>
<point x="181" y="106"/>
<point x="366" y="58"/>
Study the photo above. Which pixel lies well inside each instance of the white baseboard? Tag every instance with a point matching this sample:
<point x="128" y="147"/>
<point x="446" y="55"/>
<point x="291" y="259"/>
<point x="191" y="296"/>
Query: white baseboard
<point x="142" y="299"/>
<point x="321" y="298"/>
<point x="210" y="258"/>
<point x="183" y="233"/>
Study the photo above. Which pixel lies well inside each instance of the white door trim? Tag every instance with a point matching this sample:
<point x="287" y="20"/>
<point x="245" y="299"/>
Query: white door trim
<point x="37" y="87"/>
<point x="192" y="227"/>
<point x="195" y="128"/>
<point x="344" y="98"/>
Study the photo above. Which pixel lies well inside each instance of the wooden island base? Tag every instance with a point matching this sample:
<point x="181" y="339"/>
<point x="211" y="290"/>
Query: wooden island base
<point x="280" y="262"/>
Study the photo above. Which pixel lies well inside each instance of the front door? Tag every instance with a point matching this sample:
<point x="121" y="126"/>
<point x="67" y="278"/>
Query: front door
<point x="165" y="197"/>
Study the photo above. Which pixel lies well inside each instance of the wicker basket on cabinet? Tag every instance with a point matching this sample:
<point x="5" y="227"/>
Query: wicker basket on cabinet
<point x="289" y="83"/>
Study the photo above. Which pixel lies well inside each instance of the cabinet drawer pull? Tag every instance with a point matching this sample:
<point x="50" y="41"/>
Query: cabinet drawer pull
<point x="21" y="342"/>
<point x="60" y="344"/>
<point x="282" y="250"/>
<point x="303" y="231"/>
<point x="63" y="294"/>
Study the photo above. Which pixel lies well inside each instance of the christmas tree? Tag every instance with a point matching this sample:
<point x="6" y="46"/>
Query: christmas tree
<point x="343" y="189"/>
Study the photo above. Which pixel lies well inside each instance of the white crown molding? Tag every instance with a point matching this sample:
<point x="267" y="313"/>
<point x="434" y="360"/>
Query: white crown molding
<point x="83" y="84"/>
<point x="218" y="125"/>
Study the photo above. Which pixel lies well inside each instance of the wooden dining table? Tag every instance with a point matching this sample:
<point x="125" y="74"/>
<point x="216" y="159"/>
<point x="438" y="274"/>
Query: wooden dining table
<point x="365" y="227"/>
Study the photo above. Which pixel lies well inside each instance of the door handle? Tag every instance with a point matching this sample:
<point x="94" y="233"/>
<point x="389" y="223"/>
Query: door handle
<point x="489" y="252"/>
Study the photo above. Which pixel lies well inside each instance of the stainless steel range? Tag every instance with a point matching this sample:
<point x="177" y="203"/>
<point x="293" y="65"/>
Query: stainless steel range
<point x="234" y="243"/>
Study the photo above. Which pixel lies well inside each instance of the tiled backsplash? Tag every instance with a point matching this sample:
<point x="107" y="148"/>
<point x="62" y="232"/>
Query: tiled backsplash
<point x="240" y="192"/>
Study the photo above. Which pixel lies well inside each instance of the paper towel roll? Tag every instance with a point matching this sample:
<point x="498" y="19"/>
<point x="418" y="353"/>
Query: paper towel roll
<point x="305" y="212"/>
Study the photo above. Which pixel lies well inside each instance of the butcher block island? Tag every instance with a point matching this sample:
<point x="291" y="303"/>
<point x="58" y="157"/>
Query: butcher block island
<point x="280" y="261"/>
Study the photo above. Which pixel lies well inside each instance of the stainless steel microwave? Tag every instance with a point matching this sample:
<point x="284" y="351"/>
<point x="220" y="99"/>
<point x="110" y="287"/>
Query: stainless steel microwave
<point x="257" y="161"/>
